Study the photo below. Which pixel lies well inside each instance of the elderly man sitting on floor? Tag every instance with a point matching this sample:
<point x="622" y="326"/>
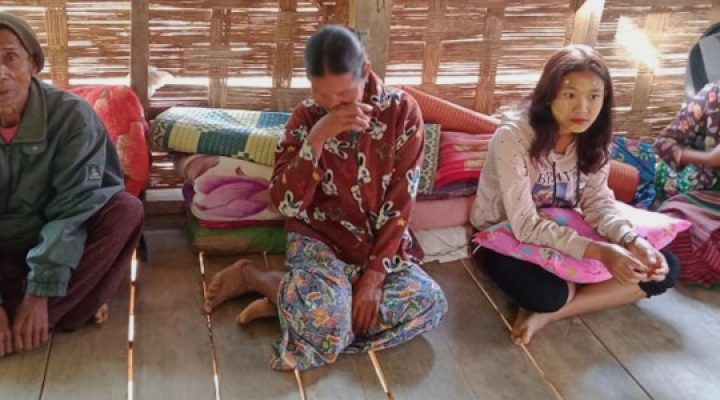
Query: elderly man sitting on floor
<point x="67" y="229"/>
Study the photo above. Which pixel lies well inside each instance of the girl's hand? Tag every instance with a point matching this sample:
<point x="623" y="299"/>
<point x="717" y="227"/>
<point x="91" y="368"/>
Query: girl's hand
<point x="621" y="263"/>
<point x="651" y="257"/>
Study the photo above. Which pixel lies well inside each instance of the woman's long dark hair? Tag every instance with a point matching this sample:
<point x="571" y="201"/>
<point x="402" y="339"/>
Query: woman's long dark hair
<point x="334" y="49"/>
<point x="593" y="146"/>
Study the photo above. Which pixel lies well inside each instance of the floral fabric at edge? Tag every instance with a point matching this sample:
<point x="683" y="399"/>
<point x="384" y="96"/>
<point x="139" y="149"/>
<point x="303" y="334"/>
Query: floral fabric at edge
<point x="696" y="126"/>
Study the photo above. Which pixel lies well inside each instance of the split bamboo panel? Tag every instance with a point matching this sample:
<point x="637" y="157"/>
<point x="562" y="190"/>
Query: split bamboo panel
<point x="487" y="55"/>
<point x="484" y="55"/>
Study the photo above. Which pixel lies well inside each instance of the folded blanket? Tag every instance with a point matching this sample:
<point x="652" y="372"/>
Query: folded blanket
<point x="698" y="248"/>
<point x="429" y="166"/>
<point x="242" y="134"/>
<point x="454" y="210"/>
<point x="269" y="239"/>
<point x="251" y="136"/>
<point x="449" y="136"/>
<point x="471" y="176"/>
<point x="452" y="156"/>
<point x="223" y="191"/>
<point x="456" y="189"/>
<point x="641" y="156"/>
<point x="462" y="156"/>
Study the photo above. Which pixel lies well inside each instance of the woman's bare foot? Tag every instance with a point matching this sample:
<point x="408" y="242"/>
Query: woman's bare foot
<point x="226" y="284"/>
<point x="260" y="308"/>
<point x="527" y="324"/>
<point x="102" y="314"/>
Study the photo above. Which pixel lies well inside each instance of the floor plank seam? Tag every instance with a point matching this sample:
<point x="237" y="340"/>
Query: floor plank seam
<point x="298" y="376"/>
<point x="213" y="356"/>
<point x="47" y="365"/>
<point x="380" y="375"/>
<point x="130" y="395"/>
<point x="524" y="348"/>
<point x="301" y="386"/>
<point x="615" y="357"/>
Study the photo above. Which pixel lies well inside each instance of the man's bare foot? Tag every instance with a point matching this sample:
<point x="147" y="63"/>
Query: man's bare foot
<point x="102" y="314"/>
<point x="226" y="284"/>
<point x="527" y="324"/>
<point x="260" y="308"/>
<point x="5" y="334"/>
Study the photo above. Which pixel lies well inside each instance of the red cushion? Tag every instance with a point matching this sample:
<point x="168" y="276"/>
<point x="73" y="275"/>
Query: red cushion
<point x="122" y="113"/>
<point x="623" y="180"/>
<point x="451" y="116"/>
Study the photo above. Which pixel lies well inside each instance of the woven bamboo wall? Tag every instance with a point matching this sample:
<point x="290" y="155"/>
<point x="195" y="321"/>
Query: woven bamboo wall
<point x="485" y="55"/>
<point x="647" y="98"/>
<point x="250" y="55"/>
<point x="82" y="39"/>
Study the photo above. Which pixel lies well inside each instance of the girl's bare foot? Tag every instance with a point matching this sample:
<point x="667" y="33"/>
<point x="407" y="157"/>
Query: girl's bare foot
<point x="102" y="314"/>
<point x="527" y="324"/>
<point x="226" y="284"/>
<point x="260" y="308"/>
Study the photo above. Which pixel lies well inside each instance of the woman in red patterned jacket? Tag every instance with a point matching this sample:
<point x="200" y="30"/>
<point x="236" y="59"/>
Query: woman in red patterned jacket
<point x="346" y="176"/>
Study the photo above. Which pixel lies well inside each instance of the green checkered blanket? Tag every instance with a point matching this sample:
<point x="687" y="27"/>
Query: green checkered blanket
<point x="243" y="134"/>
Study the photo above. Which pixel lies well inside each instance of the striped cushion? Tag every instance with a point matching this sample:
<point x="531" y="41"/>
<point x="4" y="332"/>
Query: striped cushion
<point x="623" y="180"/>
<point x="451" y="116"/>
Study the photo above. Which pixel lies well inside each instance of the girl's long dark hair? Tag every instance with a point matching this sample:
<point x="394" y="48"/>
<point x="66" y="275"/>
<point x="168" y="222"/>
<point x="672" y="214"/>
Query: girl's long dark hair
<point x="593" y="146"/>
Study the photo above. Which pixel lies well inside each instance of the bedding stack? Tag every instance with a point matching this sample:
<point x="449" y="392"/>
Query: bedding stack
<point x="462" y="143"/>
<point x="226" y="157"/>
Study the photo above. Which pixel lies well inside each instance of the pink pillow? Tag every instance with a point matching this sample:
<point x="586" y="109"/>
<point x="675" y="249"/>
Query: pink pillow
<point x="659" y="229"/>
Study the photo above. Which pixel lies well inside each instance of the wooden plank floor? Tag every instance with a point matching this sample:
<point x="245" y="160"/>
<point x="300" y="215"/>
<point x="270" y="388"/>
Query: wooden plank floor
<point x="469" y="356"/>
<point x="670" y="344"/>
<point x="22" y="375"/>
<point x="243" y="352"/>
<point x="570" y="355"/>
<point x="351" y="377"/>
<point x="662" y="348"/>
<point x="92" y="362"/>
<point x="172" y="346"/>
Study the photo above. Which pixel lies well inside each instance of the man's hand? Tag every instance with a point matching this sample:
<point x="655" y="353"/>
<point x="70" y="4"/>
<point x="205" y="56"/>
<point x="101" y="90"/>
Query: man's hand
<point x="5" y="334"/>
<point x="30" y="329"/>
<point x="367" y="295"/>
<point x="651" y="257"/>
